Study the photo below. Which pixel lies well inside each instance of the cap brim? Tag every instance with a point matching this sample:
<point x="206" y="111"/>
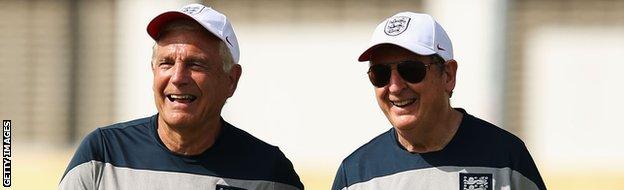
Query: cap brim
<point x="154" y="27"/>
<point x="366" y="56"/>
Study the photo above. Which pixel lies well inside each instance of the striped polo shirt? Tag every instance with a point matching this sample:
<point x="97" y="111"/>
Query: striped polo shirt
<point x="130" y="155"/>
<point x="479" y="156"/>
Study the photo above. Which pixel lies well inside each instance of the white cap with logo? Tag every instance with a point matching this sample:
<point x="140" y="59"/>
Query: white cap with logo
<point x="419" y="33"/>
<point x="215" y="22"/>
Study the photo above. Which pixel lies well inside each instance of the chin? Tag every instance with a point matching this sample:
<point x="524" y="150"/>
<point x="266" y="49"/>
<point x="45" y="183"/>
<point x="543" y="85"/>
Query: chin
<point x="403" y="122"/>
<point x="177" y="119"/>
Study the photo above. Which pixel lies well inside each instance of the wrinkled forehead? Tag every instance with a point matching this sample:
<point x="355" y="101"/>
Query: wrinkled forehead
<point x="186" y="46"/>
<point x="188" y="42"/>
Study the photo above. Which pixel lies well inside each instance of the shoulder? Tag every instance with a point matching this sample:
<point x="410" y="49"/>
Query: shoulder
<point x="133" y="126"/>
<point x="121" y="134"/>
<point x="511" y="150"/>
<point x="485" y="139"/>
<point x="239" y="143"/>
<point x="377" y="157"/>
<point x="242" y="140"/>
<point x="374" y="158"/>
<point x="372" y="149"/>
<point x="262" y="156"/>
<point x="93" y="145"/>
<point x="481" y="131"/>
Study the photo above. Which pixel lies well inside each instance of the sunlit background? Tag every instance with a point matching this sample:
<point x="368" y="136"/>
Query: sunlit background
<point x="547" y="71"/>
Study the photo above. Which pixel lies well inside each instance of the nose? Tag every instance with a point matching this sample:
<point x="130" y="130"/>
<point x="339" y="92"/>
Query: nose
<point x="181" y="75"/>
<point x="396" y="83"/>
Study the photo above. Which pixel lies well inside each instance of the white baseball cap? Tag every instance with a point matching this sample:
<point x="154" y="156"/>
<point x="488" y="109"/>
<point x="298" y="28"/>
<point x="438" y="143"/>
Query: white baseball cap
<point x="215" y="22"/>
<point x="419" y="33"/>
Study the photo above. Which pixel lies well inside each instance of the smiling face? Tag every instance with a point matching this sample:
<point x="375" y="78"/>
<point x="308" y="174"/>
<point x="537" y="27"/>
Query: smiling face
<point x="190" y="86"/>
<point x="411" y="105"/>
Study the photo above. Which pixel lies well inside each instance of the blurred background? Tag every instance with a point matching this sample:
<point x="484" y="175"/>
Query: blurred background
<point x="547" y="71"/>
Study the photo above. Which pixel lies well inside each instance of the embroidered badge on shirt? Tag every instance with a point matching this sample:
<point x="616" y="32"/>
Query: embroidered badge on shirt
<point x="475" y="181"/>
<point x="396" y="25"/>
<point x="223" y="187"/>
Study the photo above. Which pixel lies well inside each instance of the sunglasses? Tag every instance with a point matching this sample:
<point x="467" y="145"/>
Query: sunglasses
<point x="410" y="71"/>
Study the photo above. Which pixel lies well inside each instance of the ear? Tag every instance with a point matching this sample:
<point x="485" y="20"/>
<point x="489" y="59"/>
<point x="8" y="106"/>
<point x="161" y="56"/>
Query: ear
<point x="234" y="75"/>
<point x="450" y="73"/>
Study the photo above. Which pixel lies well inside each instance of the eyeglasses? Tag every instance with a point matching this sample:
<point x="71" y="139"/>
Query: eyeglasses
<point x="410" y="71"/>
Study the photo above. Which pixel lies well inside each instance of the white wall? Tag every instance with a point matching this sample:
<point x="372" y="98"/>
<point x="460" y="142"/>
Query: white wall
<point x="476" y="29"/>
<point x="304" y="91"/>
<point x="574" y="92"/>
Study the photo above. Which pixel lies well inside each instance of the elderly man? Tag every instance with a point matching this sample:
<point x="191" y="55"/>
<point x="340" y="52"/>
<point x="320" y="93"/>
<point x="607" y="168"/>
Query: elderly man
<point x="187" y="145"/>
<point x="431" y="145"/>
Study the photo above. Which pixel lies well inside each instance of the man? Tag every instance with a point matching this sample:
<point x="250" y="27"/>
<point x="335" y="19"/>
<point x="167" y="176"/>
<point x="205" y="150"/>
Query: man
<point x="431" y="145"/>
<point x="187" y="145"/>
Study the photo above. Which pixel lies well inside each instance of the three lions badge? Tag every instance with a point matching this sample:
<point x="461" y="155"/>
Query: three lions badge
<point x="396" y="25"/>
<point x="475" y="181"/>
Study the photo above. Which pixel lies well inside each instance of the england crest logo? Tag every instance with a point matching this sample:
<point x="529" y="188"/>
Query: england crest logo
<point x="396" y="25"/>
<point x="474" y="181"/>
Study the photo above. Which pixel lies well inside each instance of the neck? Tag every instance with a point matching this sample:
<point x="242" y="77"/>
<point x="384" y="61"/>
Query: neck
<point x="433" y="135"/>
<point x="189" y="140"/>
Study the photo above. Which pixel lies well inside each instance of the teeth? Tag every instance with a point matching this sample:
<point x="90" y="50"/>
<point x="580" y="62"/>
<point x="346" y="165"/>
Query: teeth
<point x="175" y="96"/>
<point x="182" y="97"/>
<point x="403" y="102"/>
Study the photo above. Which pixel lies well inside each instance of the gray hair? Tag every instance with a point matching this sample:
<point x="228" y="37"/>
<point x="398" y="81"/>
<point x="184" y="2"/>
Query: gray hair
<point x="439" y="61"/>
<point x="188" y="25"/>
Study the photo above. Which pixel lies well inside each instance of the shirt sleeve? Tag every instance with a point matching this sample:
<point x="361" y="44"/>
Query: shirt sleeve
<point x="340" y="181"/>
<point x="285" y="172"/>
<point x="527" y="169"/>
<point x="85" y="168"/>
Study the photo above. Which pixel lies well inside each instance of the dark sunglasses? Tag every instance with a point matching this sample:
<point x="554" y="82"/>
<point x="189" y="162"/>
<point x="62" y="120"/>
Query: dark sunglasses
<point x="410" y="71"/>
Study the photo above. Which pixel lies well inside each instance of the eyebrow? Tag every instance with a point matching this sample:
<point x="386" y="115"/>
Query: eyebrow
<point x="164" y="59"/>
<point x="201" y="59"/>
<point x="192" y="58"/>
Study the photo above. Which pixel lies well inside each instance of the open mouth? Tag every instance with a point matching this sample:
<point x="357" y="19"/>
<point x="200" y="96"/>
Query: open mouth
<point x="403" y="103"/>
<point x="181" y="98"/>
